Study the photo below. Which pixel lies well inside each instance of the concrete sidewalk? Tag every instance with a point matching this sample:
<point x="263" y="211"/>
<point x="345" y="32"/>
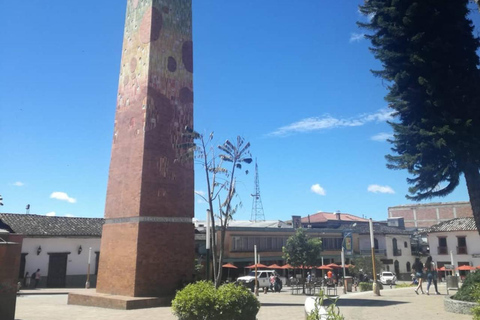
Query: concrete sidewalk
<point x="393" y="304"/>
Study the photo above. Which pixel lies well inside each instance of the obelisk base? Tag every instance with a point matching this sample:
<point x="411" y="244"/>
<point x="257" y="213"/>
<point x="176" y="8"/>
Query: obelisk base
<point x="101" y="300"/>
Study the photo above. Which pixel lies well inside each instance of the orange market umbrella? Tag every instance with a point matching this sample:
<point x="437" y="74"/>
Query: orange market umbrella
<point x="466" y="268"/>
<point x="478" y="267"/>
<point x="349" y="266"/>
<point x="287" y="266"/>
<point x="259" y="265"/>
<point x="333" y="266"/>
<point x="324" y="268"/>
<point x="229" y="266"/>
<point x="441" y="269"/>
<point x="275" y="266"/>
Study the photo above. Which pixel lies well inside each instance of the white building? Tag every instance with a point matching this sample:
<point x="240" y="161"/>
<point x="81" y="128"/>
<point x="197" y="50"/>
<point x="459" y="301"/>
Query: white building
<point x="457" y="239"/>
<point x="58" y="246"/>
<point x="392" y="248"/>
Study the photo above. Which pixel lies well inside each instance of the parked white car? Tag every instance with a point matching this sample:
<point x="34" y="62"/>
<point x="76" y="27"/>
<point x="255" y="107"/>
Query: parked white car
<point x="388" y="278"/>
<point x="263" y="277"/>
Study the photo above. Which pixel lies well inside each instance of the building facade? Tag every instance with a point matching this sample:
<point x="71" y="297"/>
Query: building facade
<point x="427" y="215"/>
<point x="457" y="240"/>
<point x="58" y="246"/>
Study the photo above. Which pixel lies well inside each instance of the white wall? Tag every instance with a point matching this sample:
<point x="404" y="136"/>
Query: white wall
<point x="76" y="263"/>
<point x="385" y="243"/>
<point x="406" y="252"/>
<point x="473" y="247"/>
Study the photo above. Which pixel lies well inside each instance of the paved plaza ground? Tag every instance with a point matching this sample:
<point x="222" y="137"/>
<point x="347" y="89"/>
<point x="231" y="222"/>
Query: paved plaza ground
<point x="393" y="304"/>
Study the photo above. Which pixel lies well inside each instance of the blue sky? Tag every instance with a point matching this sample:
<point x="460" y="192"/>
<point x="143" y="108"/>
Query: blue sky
<point x="291" y="77"/>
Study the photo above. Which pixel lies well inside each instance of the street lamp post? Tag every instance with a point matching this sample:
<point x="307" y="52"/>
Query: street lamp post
<point x="343" y="257"/>
<point x="376" y="288"/>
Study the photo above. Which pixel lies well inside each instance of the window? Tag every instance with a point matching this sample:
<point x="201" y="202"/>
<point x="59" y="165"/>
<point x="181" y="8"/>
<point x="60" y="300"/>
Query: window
<point x="375" y="243"/>
<point x="408" y="267"/>
<point x="332" y="243"/>
<point x="246" y="243"/>
<point x="396" y="251"/>
<point x="462" y="245"/>
<point x="442" y="245"/>
<point x="405" y="244"/>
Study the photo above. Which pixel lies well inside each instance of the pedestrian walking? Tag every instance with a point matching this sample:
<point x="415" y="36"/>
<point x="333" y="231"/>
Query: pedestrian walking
<point x="431" y="271"/>
<point x="418" y="267"/>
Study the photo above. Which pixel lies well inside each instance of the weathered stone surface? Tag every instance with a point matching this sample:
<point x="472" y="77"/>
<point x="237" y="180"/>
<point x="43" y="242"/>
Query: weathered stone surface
<point x="148" y="238"/>
<point x="10" y="249"/>
<point x="457" y="306"/>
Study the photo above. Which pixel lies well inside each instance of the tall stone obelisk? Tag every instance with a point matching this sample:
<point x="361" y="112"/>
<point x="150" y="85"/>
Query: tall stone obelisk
<point x="148" y="238"/>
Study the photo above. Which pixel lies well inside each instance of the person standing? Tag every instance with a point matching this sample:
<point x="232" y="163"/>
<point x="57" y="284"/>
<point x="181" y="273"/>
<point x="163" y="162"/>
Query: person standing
<point x="26" y="280"/>
<point x="37" y="277"/>
<point x="418" y="267"/>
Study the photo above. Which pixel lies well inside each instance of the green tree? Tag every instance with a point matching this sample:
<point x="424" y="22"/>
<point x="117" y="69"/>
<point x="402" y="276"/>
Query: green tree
<point x="364" y="265"/>
<point x="428" y="54"/>
<point x="302" y="250"/>
<point x="221" y="170"/>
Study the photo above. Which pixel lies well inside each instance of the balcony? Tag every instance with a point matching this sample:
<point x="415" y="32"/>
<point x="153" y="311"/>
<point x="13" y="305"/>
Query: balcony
<point x="462" y="250"/>
<point x="380" y="252"/>
<point x="397" y="252"/>
<point x="442" y="250"/>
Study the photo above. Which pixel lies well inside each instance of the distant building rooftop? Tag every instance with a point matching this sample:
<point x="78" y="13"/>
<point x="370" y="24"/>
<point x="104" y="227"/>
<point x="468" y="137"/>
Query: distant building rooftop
<point x="458" y="224"/>
<point x="44" y="226"/>
<point x="336" y="216"/>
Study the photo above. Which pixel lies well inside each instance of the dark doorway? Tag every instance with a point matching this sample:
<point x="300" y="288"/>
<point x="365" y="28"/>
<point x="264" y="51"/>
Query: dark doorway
<point x="397" y="267"/>
<point x="21" y="272"/>
<point x="57" y="270"/>
<point x="97" y="259"/>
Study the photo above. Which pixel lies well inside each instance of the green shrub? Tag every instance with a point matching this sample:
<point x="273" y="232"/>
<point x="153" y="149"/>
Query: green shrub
<point x="365" y="286"/>
<point x="333" y="312"/>
<point x="466" y="291"/>
<point x="476" y="296"/>
<point x="201" y="300"/>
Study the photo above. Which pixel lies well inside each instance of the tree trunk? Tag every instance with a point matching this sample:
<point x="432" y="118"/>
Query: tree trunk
<point x="472" y="176"/>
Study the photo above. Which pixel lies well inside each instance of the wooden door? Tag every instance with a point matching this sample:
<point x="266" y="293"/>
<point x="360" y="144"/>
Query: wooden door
<point x="57" y="270"/>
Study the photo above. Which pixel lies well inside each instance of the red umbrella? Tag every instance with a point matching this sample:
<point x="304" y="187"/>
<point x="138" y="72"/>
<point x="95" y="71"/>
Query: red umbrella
<point x="349" y="266"/>
<point x="287" y="266"/>
<point x="275" y="266"/>
<point x="441" y="269"/>
<point x="259" y="265"/>
<point x="324" y="268"/>
<point x="229" y="266"/>
<point x="333" y="265"/>
<point x="466" y="268"/>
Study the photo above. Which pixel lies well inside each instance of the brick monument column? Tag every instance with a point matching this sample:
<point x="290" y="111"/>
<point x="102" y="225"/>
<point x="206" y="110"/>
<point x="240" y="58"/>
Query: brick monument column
<point x="147" y="245"/>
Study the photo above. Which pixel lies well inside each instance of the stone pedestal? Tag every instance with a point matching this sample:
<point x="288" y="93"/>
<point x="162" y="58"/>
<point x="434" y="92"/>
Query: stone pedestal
<point x="147" y="245"/>
<point x="10" y="253"/>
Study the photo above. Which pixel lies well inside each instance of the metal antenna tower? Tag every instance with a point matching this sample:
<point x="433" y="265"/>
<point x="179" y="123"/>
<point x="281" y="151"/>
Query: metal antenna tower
<point x="257" y="206"/>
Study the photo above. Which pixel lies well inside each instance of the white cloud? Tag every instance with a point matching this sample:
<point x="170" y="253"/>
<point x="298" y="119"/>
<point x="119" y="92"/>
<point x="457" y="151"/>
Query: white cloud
<point x="50" y="214"/>
<point x="316" y="188"/>
<point x="375" y="188"/>
<point x="329" y="122"/>
<point x="356" y="37"/>
<point x="18" y="184"/>
<point x="382" y="136"/>
<point x="69" y="215"/>
<point x="62" y="196"/>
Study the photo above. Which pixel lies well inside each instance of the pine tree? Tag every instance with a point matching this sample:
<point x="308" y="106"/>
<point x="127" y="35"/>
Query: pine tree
<point x="428" y="54"/>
